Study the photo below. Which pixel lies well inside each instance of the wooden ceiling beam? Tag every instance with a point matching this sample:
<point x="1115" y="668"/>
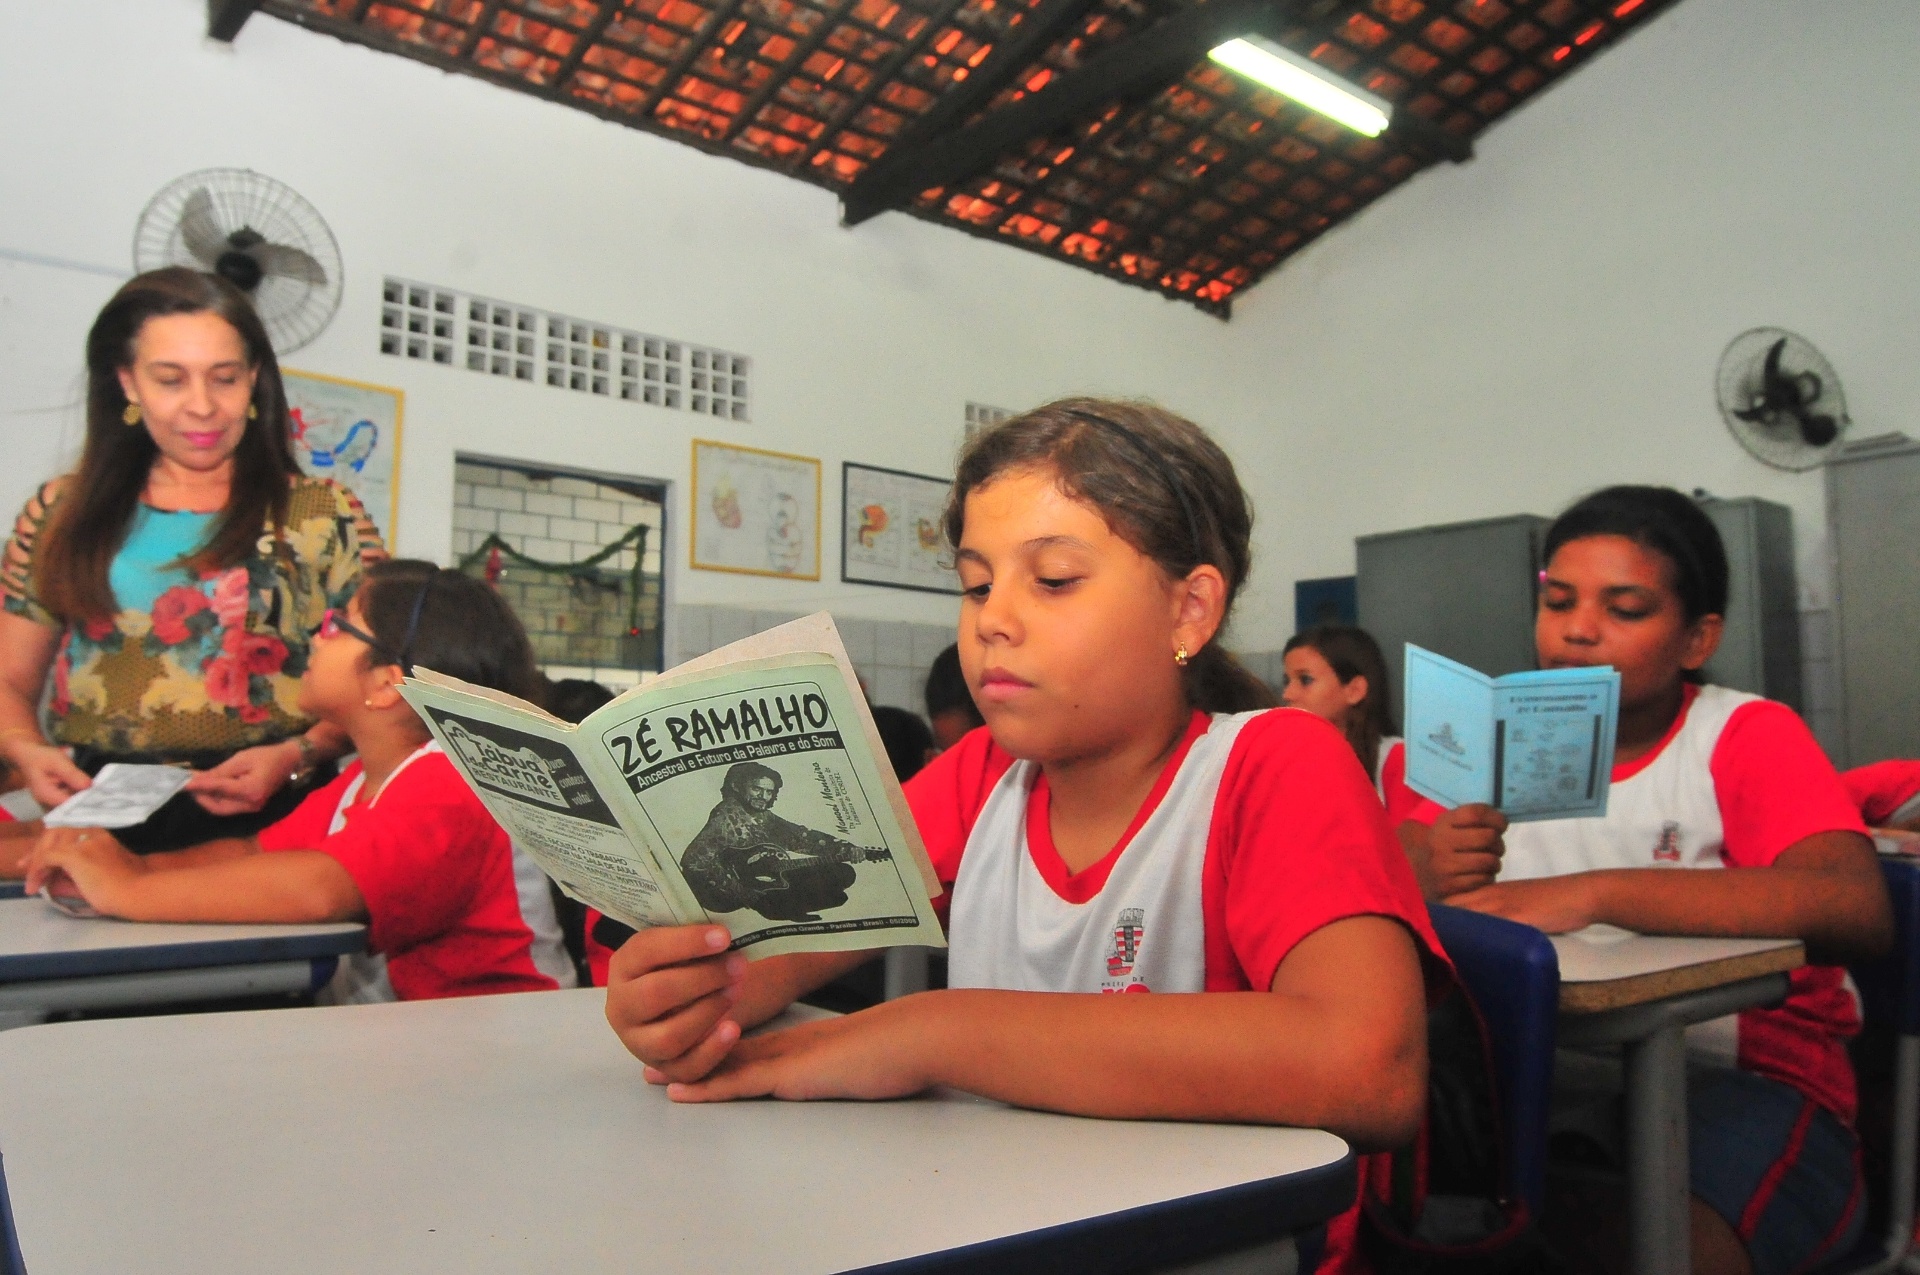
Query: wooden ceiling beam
<point x="1031" y="37"/>
<point x="1136" y="67"/>
<point x="226" y="17"/>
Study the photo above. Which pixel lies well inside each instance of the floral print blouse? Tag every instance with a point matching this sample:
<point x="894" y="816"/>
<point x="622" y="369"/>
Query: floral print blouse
<point x="214" y="664"/>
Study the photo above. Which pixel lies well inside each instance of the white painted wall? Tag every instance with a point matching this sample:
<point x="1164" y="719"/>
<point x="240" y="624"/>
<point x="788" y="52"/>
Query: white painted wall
<point x="1501" y="336"/>
<point x="866" y="345"/>
<point x="1492" y="338"/>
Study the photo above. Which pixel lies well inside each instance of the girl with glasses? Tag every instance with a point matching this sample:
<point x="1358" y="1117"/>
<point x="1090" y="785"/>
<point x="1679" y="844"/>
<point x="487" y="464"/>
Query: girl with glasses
<point x="398" y="840"/>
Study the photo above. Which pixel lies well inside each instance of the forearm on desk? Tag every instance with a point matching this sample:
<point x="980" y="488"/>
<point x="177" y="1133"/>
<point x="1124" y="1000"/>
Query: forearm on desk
<point x="1826" y="891"/>
<point x="290" y="886"/>
<point x="1255" y="1057"/>
<point x="1339" y="1043"/>
<point x="206" y="852"/>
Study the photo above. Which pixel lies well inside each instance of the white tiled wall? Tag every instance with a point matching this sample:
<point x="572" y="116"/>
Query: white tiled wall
<point x="554" y="519"/>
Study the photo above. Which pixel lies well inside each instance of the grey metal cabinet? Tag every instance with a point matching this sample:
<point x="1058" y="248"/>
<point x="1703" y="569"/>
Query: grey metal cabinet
<point x="1873" y="511"/>
<point x="1760" y="649"/>
<point x="1464" y="589"/>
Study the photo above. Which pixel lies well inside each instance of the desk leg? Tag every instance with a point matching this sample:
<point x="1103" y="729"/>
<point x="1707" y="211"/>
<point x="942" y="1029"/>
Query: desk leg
<point x="1656" y="1082"/>
<point x="906" y="972"/>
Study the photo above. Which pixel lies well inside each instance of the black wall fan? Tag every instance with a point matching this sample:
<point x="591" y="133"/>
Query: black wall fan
<point x="257" y="233"/>
<point x="1781" y="398"/>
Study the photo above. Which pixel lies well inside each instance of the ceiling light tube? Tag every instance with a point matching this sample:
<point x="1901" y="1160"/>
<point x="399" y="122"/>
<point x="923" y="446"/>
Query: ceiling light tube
<point x="1306" y="82"/>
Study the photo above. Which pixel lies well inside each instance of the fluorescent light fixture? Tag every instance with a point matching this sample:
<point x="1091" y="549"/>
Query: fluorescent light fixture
<point x="1306" y="82"/>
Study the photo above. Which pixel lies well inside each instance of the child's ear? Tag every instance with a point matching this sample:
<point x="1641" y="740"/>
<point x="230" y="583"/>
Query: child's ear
<point x="1355" y="691"/>
<point x="1200" y="605"/>
<point x="1703" y="639"/>
<point x="383" y="690"/>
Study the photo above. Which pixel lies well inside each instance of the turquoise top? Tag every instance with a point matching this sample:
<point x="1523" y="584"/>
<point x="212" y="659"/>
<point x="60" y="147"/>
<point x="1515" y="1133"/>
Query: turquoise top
<point x="144" y="568"/>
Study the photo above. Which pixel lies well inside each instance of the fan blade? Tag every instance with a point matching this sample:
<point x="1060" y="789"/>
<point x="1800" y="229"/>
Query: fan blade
<point x="1818" y="430"/>
<point x="1754" y="413"/>
<point x="1771" y="373"/>
<point x="200" y="229"/>
<point x="289" y="263"/>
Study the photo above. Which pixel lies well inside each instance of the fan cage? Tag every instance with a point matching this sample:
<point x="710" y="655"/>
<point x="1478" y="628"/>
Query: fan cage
<point x="294" y="311"/>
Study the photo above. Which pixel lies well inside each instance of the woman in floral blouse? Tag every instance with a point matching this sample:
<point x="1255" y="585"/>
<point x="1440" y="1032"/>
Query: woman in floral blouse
<point x="170" y="585"/>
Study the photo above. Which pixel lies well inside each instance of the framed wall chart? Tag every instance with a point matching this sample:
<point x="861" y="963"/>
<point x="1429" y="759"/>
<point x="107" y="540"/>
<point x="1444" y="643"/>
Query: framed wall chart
<point x="891" y="533"/>
<point x="755" y="512"/>
<point x="349" y="431"/>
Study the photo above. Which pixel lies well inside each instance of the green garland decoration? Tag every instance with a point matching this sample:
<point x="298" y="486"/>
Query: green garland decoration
<point x="581" y="570"/>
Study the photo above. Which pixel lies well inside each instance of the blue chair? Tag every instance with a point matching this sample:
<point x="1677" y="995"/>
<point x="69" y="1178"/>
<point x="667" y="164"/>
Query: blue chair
<point x="1513" y="974"/>
<point x="1890" y="994"/>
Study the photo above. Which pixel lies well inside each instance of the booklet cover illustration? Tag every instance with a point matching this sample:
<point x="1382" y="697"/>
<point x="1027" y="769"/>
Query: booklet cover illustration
<point x="1535" y="745"/>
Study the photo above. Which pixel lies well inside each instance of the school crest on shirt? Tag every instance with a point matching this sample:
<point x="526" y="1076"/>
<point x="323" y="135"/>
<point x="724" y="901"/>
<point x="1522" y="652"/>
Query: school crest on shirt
<point x="1128" y="932"/>
<point x="1667" y="849"/>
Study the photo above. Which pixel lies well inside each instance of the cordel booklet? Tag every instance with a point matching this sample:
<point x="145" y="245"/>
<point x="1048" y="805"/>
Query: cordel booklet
<point x="748" y="788"/>
<point x="1534" y="745"/>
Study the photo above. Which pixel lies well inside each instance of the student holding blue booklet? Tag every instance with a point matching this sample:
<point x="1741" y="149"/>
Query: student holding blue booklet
<point x="1723" y="817"/>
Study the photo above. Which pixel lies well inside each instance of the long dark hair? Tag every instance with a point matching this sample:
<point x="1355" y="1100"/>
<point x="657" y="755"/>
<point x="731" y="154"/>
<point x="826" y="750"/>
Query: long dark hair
<point x="98" y="501"/>
<point x="426" y="617"/>
<point x="1161" y="484"/>
<point x="1352" y="653"/>
<point x="1665" y="521"/>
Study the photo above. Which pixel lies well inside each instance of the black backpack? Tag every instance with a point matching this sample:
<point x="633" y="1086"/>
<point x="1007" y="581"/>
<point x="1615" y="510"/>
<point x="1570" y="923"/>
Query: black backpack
<point x="1442" y="1208"/>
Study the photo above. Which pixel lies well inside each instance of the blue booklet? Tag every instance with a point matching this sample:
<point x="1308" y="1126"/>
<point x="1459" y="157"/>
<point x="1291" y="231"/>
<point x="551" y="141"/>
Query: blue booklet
<point x="1534" y="745"/>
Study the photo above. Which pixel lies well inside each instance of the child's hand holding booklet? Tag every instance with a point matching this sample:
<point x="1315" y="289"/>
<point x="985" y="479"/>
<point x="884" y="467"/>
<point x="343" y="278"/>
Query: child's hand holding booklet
<point x="746" y="788"/>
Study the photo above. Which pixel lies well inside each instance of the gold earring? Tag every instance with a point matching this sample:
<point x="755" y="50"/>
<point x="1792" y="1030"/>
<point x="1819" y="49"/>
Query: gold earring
<point x="1180" y="656"/>
<point x="132" y="414"/>
<point x="253" y="413"/>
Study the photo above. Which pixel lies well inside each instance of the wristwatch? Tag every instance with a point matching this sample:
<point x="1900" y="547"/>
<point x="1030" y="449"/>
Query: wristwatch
<point x="309" y="759"/>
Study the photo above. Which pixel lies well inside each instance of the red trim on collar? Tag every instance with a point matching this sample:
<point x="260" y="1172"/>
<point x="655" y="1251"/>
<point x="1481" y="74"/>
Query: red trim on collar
<point x="1628" y="770"/>
<point x="1081" y="886"/>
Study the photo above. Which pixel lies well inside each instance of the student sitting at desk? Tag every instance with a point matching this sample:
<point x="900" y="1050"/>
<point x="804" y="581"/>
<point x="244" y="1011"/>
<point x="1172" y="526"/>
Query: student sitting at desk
<point x="398" y="840"/>
<point x="1336" y="671"/>
<point x="1703" y="778"/>
<point x="1131" y="820"/>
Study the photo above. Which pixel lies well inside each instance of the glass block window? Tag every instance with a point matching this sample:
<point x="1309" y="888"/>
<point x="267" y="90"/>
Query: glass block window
<point x="582" y="356"/>
<point x="417" y="321"/>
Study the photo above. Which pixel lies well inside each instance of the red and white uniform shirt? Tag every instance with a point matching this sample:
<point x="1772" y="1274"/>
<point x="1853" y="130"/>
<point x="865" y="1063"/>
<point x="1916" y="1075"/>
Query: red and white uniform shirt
<point x="436" y="874"/>
<point x="1261" y="829"/>
<point x="1736" y="780"/>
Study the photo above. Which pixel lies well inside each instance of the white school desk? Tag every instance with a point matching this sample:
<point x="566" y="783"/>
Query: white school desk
<point x="1641" y="992"/>
<point x="515" y="1134"/>
<point x="51" y="962"/>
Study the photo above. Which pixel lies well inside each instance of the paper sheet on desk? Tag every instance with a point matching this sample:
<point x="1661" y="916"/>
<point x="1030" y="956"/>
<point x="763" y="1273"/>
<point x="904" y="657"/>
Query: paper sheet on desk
<point x="122" y="796"/>
<point x="1535" y="745"/>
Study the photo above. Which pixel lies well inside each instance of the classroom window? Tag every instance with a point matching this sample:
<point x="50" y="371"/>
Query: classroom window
<point x="536" y="531"/>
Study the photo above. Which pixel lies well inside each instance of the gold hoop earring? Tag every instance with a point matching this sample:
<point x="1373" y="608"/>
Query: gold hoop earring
<point x="132" y="414"/>
<point x="1180" y="656"/>
<point x="253" y="413"/>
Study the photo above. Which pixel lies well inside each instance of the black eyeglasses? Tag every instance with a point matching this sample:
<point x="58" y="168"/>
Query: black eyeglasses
<point x="334" y="622"/>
